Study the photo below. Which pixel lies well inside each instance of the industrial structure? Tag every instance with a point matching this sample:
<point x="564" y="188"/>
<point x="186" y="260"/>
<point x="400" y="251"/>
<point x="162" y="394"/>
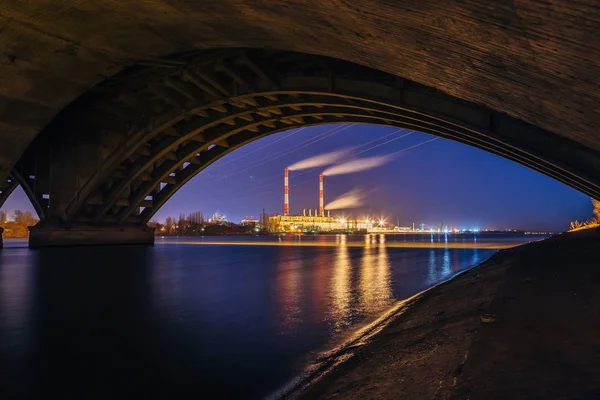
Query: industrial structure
<point x="317" y="223"/>
<point x="250" y="221"/>
<point x="305" y="221"/>
<point x="321" y="220"/>
<point x="286" y="191"/>
<point x="321" y="207"/>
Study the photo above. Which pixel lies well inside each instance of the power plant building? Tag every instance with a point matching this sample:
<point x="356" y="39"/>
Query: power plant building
<point x="299" y="223"/>
<point x="320" y="220"/>
<point x="308" y="223"/>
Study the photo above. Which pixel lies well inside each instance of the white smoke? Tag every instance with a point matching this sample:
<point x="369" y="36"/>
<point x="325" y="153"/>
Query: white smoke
<point x="362" y="164"/>
<point x="319" y="161"/>
<point x="352" y="199"/>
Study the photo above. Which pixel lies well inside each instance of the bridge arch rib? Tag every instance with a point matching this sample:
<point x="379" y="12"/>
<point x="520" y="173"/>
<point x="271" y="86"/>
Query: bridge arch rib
<point x="6" y="189"/>
<point x="115" y="155"/>
<point x="15" y="179"/>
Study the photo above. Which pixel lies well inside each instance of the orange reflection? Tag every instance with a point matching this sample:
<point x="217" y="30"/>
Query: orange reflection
<point x="341" y="290"/>
<point x="375" y="285"/>
<point x="366" y="275"/>
<point x="384" y="287"/>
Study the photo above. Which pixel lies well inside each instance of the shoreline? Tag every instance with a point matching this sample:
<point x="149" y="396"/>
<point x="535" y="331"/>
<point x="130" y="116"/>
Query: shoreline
<point x="437" y="345"/>
<point x="332" y="358"/>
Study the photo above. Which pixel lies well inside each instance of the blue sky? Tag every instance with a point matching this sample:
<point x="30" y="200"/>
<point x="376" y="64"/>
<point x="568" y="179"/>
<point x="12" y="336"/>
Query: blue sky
<point x="440" y="180"/>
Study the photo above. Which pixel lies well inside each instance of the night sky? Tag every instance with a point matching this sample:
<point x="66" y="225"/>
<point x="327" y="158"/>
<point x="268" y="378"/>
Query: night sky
<point x="439" y="181"/>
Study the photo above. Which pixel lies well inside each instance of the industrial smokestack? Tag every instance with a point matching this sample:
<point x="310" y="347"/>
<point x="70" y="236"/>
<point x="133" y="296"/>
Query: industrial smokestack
<point x="286" y="195"/>
<point x="321" y="205"/>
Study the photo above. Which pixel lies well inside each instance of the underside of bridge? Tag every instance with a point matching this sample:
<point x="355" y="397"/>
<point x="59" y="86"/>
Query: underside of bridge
<point x="106" y="110"/>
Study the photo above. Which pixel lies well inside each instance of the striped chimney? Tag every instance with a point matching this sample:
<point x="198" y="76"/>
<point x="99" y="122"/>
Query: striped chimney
<point x="286" y="194"/>
<point x="321" y="207"/>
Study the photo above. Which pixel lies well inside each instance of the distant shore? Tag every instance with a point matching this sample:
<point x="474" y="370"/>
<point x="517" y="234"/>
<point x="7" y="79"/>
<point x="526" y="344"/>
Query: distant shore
<point x="515" y="232"/>
<point x="522" y="324"/>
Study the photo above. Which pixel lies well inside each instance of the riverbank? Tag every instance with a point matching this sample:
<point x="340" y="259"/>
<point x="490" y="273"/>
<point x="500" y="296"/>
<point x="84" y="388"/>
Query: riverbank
<point x="544" y="342"/>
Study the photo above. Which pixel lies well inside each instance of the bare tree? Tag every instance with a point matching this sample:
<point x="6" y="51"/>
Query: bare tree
<point x="576" y="225"/>
<point x="182" y="225"/>
<point x="170" y="226"/>
<point x="24" y="218"/>
<point x="196" y="219"/>
<point x="596" y="204"/>
<point x="591" y="223"/>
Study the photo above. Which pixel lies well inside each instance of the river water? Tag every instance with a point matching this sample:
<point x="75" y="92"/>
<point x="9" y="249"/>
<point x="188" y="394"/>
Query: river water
<point x="234" y="317"/>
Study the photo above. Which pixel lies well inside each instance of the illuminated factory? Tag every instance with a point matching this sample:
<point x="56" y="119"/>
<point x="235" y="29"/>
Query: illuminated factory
<point x="319" y="220"/>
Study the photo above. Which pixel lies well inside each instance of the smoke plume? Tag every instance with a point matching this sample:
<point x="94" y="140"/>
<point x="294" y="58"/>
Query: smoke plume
<point x="352" y="199"/>
<point x="319" y="161"/>
<point x="362" y="164"/>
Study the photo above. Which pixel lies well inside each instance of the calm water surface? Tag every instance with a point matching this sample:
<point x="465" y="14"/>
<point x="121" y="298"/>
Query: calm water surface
<point x="235" y="317"/>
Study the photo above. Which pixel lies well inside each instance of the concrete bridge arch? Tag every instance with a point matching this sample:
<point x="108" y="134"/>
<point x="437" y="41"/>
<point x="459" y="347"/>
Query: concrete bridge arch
<point x="108" y="111"/>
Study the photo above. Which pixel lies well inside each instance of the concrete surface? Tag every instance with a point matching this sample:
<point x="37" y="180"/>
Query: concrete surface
<point x="43" y="235"/>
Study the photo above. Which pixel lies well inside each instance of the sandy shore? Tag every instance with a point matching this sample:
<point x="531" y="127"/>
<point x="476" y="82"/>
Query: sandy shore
<point x="544" y="342"/>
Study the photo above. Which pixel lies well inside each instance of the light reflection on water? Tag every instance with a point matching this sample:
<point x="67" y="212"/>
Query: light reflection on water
<point x="192" y="315"/>
<point x="375" y="285"/>
<point x="412" y="241"/>
<point x="288" y="294"/>
<point x="432" y="266"/>
<point x="341" y="285"/>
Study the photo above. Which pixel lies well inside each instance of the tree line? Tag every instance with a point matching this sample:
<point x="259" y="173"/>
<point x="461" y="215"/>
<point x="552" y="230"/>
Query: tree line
<point x="184" y="225"/>
<point x="17" y="226"/>
<point x="194" y="224"/>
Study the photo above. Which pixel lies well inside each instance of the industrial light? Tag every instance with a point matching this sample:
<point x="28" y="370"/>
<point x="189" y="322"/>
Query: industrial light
<point x="381" y="222"/>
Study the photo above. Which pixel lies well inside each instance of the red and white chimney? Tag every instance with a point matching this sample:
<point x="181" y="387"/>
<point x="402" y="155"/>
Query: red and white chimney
<point x="286" y="194"/>
<point x="321" y="202"/>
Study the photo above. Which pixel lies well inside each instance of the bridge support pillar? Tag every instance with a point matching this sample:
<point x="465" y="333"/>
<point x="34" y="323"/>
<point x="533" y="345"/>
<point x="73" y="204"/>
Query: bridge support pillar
<point x="47" y="235"/>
